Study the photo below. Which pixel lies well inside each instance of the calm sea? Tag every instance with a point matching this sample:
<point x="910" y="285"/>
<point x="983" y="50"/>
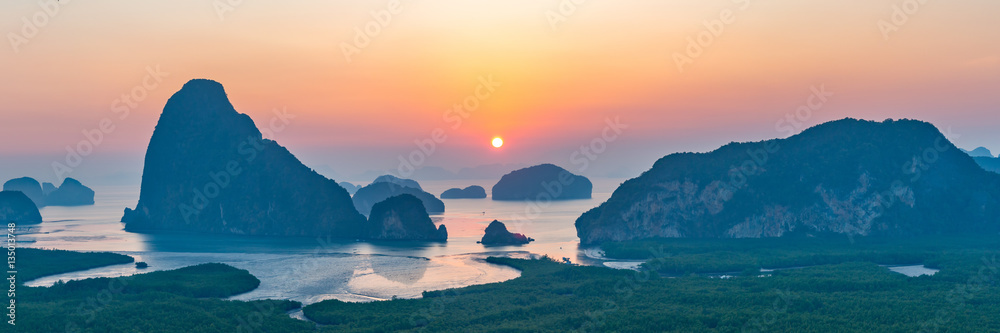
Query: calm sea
<point x="313" y="269"/>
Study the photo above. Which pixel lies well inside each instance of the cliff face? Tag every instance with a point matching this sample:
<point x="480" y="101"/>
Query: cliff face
<point x="542" y="182"/>
<point x="16" y="207"/>
<point x="209" y="170"/>
<point x="377" y="192"/>
<point x="403" y="217"/>
<point x="845" y="177"/>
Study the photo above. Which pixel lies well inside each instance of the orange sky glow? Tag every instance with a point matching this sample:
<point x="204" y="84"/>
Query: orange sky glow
<point x="557" y="81"/>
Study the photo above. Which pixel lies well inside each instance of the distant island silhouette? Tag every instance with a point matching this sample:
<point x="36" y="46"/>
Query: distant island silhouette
<point x="542" y="182"/>
<point x="471" y="192"/>
<point x="368" y="196"/>
<point x="70" y="193"/>
<point x="351" y="188"/>
<point x="398" y="181"/>
<point x="979" y="152"/>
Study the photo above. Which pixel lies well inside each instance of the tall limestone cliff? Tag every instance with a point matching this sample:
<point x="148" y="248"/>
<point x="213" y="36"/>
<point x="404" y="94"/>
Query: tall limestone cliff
<point x="209" y="170"/>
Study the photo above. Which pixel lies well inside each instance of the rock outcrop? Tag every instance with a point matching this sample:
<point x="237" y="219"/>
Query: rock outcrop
<point x="497" y="234"/>
<point x="471" y="192"/>
<point x="374" y="193"/>
<point x="16" y="207"/>
<point x="542" y="182"/>
<point x="403" y="217"/>
<point x="209" y="170"/>
<point x="892" y="178"/>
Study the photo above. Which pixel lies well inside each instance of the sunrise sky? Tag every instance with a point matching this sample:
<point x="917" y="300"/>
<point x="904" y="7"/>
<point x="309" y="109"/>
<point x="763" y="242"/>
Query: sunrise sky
<point x="563" y="71"/>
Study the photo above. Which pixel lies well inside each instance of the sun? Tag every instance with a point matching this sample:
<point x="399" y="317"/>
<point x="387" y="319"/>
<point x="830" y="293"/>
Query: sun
<point x="497" y="142"/>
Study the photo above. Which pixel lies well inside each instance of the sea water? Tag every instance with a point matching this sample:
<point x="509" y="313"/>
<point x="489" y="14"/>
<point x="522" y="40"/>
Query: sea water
<point x="314" y="269"/>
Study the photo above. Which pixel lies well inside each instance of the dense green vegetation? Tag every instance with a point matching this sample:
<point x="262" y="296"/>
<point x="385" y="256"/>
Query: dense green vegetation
<point x="848" y="297"/>
<point x="205" y="280"/>
<point x="181" y="300"/>
<point x="36" y="263"/>
<point x="684" y="256"/>
<point x="845" y="292"/>
<point x="852" y="295"/>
